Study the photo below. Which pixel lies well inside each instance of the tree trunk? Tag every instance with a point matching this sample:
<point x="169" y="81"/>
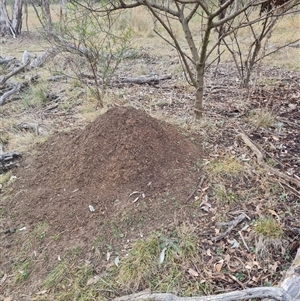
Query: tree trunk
<point x="16" y="21"/>
<point x="5" y="26"/>
<point x="62" y="14"/>
<point x="200" y="67"/>
<point x="199" y="90"/>
<point x="47" y="15"/>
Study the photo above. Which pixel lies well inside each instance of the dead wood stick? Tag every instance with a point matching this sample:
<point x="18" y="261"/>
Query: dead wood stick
<point x="195" y="190"/>
<point x="15" y="89"/>
<point x="291" y="280"/>
<point x="4" y="61"/>
<point x="40" y="60"/>
<point x="13" y="72"/>
<point x="260" y="161"/>
<point x="292" y="190"/>
<point x="231" y="225"/>
<point x="144" y="79"/>
<point x="35" y="127"/>
<point x="242" y="285"/>
<point x="258" y="292"/>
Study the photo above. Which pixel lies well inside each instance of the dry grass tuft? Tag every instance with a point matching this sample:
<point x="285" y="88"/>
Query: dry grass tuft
<point x="263" y="119"/>
<point x="269" y="239"/>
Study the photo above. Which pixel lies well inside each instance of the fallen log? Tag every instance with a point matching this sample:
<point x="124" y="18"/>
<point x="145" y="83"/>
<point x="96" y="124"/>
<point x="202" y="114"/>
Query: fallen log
<point x="258" y="292"/>
<point x="153" y="80"/>
<point x="13" y="72"/>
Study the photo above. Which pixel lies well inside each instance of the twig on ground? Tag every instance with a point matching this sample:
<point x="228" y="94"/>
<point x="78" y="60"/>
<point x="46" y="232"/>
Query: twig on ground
<point x="231" y="225"/>
<point x="200" y="183"/>
<point x="243" y="240"/>
<point x="242" y="285"/>
<point x="293" y="190"/>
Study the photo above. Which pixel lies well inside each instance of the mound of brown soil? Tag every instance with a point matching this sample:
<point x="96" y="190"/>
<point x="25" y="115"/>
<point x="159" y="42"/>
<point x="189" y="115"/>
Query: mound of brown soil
<point x="122" y="151"/>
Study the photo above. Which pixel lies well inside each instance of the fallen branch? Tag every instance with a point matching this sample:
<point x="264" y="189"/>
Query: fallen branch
<point x="40" y="60"/>
<point x="13" y="72"/>
<point x="251" y="293"/>
<point x="153" y="80"/>
<point x="200" y="183"/>
<point x="35" y="127"/>
<point x="260" y="161"/>
<point x="88" y="79"/>
<point x="231" y="225"/>
<point x="15" y="89"/>
<point x="4" y="61"/>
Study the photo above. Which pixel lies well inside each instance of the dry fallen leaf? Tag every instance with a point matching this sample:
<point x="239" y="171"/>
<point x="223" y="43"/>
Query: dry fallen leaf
<point x="162" y="256"/>
<point x="193" y="273"/>
<point x="227" y="258"/>
<point x="117" y="260"/>
<point x="274" y="213"/>
<point x="218" y="266"/>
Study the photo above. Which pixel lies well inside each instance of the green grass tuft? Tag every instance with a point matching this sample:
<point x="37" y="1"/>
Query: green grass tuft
<point x="269" y="228"/>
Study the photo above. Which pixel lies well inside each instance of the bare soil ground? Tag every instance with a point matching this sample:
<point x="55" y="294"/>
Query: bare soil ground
<point x="140" y="173"/>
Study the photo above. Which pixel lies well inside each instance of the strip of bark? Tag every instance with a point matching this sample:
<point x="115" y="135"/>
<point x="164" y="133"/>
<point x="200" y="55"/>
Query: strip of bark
<point x="4" y="61"/>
